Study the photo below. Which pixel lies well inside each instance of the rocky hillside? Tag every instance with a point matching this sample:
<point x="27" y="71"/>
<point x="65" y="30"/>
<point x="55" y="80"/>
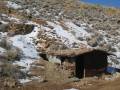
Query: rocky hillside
<point x="31" y="27"/>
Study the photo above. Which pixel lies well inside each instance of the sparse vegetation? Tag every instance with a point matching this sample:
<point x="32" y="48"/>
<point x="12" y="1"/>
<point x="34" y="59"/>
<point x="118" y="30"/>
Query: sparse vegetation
<point x="9" y="72"/>
<point x="40" y="11"/>
<point x="13" y="54"/>
<point x="17" y="29"/>
<point x="111" y="11"/>
<point x="54" y="73"/>
<point x="4" y="43"/>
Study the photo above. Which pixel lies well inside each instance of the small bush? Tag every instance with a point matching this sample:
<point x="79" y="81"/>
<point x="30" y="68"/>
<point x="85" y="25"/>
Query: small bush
<point x="10" y="82"/>
<point x="111" y="11"/>
<point x="11" y="71"/>
<point x="4" y="43"/>
<point x="18" y="29"/>
<point x="10" y="74"/>
<point x="13" y="54"/>
<point x="7" y="70"/>
<point x="55" y="74"/>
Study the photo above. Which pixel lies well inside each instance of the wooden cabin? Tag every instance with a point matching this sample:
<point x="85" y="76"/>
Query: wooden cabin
<point x="91" y="63"/>
<point x="88" y="62"/>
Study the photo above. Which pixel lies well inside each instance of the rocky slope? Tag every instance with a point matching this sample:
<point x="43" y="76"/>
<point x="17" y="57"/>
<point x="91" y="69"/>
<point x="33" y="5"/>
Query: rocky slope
<point x="34" y="26"/>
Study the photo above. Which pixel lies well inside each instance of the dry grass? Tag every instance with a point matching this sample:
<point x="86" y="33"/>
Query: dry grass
<point x="83" y="6"/>
<point x="14" y="29"/>
<point x="8" y="70"/>
<point x="4" y="43"/>
<point x="70" y="5"/>
<point x="39" y="21"/>
<point x="54" y="74"/>
<point x="12" y="12"/>
<point x="3" y="8"/>
<point x="13" y="54"/>
<point x="112" y="11"/>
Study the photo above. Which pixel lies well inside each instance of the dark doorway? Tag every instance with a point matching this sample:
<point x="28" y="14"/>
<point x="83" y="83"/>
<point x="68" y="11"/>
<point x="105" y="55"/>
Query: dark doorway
<point x="79" y="63"/>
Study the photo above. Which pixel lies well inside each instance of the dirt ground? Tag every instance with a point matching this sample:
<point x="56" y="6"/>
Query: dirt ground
<point x="97" y="85"/>
<point x="91" y="83"/>
<point x="105" y="85"/>
<point x="60" y="82"/>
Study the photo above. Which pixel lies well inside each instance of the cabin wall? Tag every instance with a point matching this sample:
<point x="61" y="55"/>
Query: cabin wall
<point x="88" y="64"/>
<point x="95" y="60"/>
<point x="91" y="64"/>
<point x="95" y="63"/>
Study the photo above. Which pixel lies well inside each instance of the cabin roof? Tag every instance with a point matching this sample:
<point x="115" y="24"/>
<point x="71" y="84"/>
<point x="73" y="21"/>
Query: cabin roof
<point x="69" y="52"/>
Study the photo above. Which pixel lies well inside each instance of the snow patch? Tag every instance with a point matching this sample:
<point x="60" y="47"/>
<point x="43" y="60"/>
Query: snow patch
<point x="117" y="54"/>
<point x="3" y="22"/>
<point x="78" y="31"/>
<point x="10" y="18"/>
<point x="71" y="89"/>
<point x="2" y="50"/>
<point x="25" y="62"/>
<point x="23" y="81"/>
<point x="26" y="44"/>
<point x="66" y="36"/>
<point x="14" y="19"/>
<point x="2" y="35"/>
<point x="54" y="59"/>
<point x="13" y="5"/>
<point x="27" y="80"/>
<point x="37" y="78"/>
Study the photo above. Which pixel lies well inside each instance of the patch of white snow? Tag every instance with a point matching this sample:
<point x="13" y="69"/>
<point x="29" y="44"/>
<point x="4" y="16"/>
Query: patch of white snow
<point x="78" y="31"/>
<point x="3" y="22"/>
<point x="2" y="50"/>
<point x="71" y="89"/>
<point x="26" y="44"/>
<point x="66" y="36"/>
<point x="13" y="5"/>
<point x="23" y="81"/>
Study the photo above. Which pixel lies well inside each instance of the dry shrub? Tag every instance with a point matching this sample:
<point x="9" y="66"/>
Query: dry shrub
<point x="11" y="11"/>
<point x="10" y="82"/>
<point x="7" y="70"/>
<point x="111" y="11"/>
<point x="39" y="21"/>
<point x="3" y="8"/>
<point x="54" y="74"/>
<point x="13" y="54"/>
<point x="10" y="74"/>
<point x="83" y="6"/>
<point x="4" y="43"/>
<point x="70" y="5"/>
<point x="15" y="29"/>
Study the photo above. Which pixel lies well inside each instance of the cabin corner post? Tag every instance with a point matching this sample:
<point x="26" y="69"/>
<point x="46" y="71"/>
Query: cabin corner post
<point x="84" y="73"/>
